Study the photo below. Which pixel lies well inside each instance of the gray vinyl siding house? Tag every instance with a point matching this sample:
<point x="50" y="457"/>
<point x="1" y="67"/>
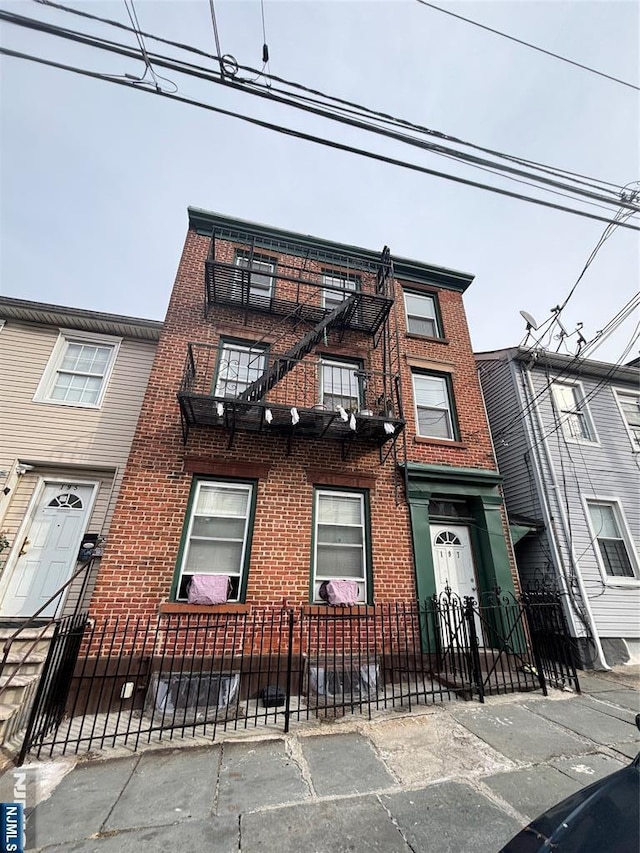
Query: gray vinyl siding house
<point x="567" y="438"/>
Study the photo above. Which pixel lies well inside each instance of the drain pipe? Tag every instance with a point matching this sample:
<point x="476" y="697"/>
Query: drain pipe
<point x="533" y="404"/>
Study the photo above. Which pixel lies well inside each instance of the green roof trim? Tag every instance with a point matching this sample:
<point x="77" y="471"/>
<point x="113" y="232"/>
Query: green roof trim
<point x="204" y="222"/>
<point x="447" y="473"/>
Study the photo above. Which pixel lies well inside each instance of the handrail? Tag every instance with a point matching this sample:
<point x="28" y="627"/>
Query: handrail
<point x="26" y="622"/>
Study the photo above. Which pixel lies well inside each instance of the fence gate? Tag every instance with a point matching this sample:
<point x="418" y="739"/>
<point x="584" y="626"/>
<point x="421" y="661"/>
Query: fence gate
<point x="550" y="638"/>
<point x="50" y="699"/>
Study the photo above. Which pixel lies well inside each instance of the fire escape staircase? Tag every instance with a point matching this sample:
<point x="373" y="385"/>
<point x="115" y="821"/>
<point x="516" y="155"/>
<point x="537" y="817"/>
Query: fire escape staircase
<point x="288" y="360"/>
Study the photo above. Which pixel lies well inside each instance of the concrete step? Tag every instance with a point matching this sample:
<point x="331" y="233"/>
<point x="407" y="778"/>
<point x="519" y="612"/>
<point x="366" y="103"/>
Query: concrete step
<point x="12" y="690"/>
<point x="25" y="634"/>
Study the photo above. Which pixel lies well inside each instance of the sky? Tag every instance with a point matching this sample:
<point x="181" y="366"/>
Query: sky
<point x="96" y="178"/>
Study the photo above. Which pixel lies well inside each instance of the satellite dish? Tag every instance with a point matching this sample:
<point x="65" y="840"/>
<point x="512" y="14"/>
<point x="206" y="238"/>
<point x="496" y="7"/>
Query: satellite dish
<point x="531" y="323"/>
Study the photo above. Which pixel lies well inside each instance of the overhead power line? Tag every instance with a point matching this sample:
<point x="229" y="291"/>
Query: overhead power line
<point x="205" y="73"/>
<point x="348" y="107"/>
<point x="216" y="36"/>
<point x="309" y="137"/>
<point x="529" y="45"/>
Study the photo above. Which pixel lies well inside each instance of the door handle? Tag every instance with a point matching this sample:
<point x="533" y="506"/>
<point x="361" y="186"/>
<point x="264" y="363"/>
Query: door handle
<point x="25" y="547"/>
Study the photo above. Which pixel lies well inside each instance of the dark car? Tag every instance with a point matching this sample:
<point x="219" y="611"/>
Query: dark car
<point x="601" y="818"/>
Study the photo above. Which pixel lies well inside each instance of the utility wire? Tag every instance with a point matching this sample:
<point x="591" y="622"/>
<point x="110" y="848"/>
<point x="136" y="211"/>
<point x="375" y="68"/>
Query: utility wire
<point x="529" y="45"/>
<point x="203" y="73"/>
<point x="610" y="327"/>
<point x="216" y="36"/>
<point x="329" y="143"/>
<point x="350" y="105"/>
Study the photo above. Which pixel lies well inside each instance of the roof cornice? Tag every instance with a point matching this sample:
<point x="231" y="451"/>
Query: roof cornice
<point x="570" y="365"/>
<point x="78" y="318"/>
<point x="205" y="222"/>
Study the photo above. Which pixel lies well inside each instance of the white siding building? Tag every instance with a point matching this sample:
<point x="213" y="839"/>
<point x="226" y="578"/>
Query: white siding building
<point x="567" y="437"/>
<point x="71" y="388"/>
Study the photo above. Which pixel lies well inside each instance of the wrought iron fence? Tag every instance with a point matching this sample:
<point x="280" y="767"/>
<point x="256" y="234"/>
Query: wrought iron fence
<point x="178" y="675"/>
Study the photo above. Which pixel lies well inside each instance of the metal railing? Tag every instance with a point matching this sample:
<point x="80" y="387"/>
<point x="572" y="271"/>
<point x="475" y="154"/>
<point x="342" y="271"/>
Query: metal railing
<point x="310" y="383"/>
<point x="139" y="679"/>
<point x="43" y="629"/>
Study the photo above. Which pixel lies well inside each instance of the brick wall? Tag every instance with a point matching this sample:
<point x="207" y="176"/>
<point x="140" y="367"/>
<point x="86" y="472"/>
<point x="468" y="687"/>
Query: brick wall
<point x="138" y="566"/>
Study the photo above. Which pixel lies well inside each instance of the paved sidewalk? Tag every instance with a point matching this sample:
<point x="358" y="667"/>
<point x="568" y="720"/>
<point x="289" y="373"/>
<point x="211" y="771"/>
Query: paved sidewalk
<point x="456" y="778"/>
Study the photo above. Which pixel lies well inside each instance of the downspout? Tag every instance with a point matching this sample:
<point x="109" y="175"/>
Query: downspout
<point x="532" y="403"/>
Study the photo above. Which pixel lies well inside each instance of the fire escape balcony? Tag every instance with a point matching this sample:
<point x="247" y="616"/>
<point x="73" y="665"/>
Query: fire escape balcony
<point x="283" y="289"/>
<point x="310" y="397"/>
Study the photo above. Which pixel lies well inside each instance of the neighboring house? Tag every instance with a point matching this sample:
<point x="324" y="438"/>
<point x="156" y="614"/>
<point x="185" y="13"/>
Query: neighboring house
<point x="71" y="387"/>
<point x="567" y="437"/>
<point x="313" y="413"/>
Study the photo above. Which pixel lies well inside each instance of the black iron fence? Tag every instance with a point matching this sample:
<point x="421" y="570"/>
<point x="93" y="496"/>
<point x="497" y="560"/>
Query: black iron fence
<point x="127" y="681"/>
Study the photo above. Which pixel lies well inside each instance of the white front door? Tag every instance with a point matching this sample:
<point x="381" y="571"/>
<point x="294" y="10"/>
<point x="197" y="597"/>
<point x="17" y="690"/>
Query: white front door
<point x="49" y="549"/>
<point x="453" y="563"/>
<point x="452" y="559"/>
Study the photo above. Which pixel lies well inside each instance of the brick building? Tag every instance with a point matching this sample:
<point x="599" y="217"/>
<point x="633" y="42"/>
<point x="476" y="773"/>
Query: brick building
<point x="313" y="412"/>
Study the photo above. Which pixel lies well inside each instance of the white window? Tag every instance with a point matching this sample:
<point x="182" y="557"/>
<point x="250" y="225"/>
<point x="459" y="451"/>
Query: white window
<point x="432" y="395"/>
<point x="615" y="551"/>
<point x="238" y="367"/>
<point x="217" y="535"/>
<point x="340" y="540"/>
<point x="340" y="385"/>
<point x="629" y="403"/>
<point x="337" y="288"/>
<point x="422" y="318"/>
<point x="78" y="370"/>
<point x="573" y="413"/>
<point x="259" y="276"/>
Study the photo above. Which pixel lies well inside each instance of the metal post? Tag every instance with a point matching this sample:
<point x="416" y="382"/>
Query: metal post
<point x="469" y="615"/>
<point x="287" y="701"/>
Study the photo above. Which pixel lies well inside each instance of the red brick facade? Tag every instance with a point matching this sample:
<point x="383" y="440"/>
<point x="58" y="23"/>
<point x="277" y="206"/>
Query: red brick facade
<point x="142" y="552"/>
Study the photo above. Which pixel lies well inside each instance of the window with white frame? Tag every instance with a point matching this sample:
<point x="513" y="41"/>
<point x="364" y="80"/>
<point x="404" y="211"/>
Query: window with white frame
<point x="238" y="366"/>
<point x="340" y="540"/>
<point x="433" y="403"/>
<point x="614" y="548"/>
<point x="78" y="370"/>
<point x="422" y="316"/>
<point x="337" y="288"/>
<point x="216" y="541"/>
<point x="572" y="412"/>
<point x="340" y="384"/>
<point x="629" y="402"/>
<point x="259" y="275"/>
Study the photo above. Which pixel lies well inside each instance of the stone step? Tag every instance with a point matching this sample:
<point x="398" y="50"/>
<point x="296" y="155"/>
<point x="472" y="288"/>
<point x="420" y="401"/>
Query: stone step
<point x="12" y="690"/>
<point x="17" y="655"/>
<point x="26" y="633"/>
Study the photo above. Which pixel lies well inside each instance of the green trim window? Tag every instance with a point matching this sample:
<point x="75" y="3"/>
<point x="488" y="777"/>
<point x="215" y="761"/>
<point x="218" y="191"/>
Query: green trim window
<point x="573" y="413"/>
<point x="337" y="286"/>
<point x="340" y="384"/>
<point x="341" y="549"/>
<point x="261" y="269"/>
<point x="238" y="366"/>
<point x="433" y="399"/>
<point x="217" y="535"/>
<point x="613" y="549"/>
<point x="422" y="315"/>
